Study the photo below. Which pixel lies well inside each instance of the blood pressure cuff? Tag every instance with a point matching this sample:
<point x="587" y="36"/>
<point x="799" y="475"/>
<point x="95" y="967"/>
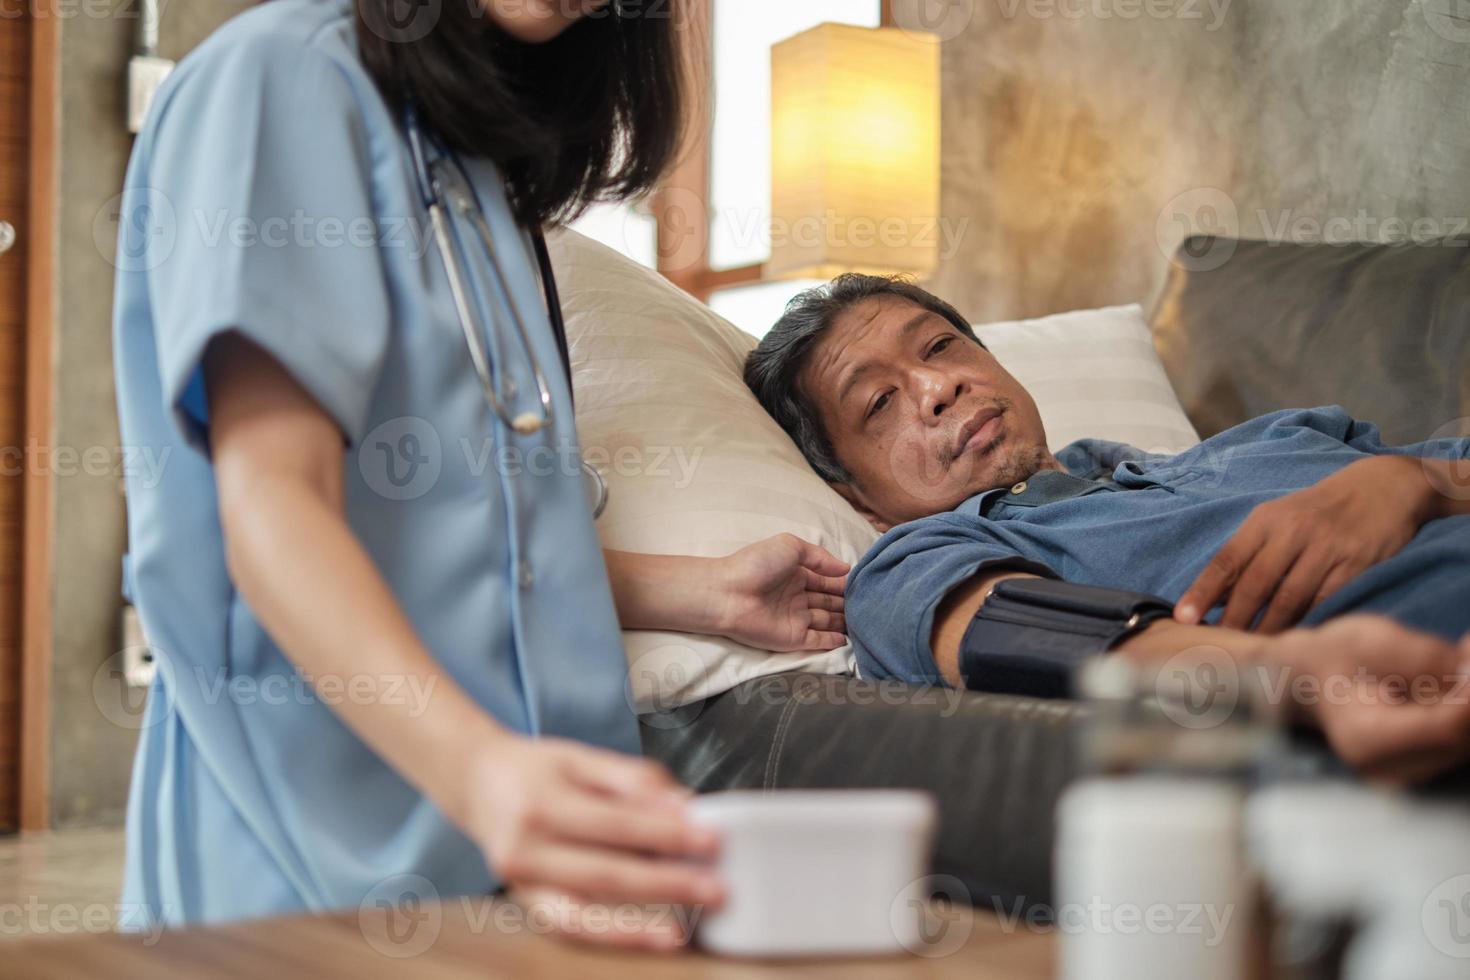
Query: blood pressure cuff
<point x="1032" y="633"/>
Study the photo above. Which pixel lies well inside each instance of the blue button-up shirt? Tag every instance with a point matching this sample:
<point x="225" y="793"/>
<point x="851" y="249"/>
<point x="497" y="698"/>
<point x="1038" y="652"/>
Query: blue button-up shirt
<point x="1122" y="518"/>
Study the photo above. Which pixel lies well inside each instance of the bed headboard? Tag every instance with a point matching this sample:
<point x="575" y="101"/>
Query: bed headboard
<point x="1083" y="140"/>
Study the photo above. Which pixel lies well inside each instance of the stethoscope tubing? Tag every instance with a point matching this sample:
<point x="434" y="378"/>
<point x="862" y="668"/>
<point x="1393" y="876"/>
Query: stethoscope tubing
<point x="431" y="177"/>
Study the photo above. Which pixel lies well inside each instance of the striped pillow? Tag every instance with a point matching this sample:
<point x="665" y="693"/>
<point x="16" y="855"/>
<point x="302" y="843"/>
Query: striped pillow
<point x="1094" y="374"/>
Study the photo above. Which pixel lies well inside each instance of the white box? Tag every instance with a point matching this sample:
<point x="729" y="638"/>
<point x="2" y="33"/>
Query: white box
<point x="819" y="872"/>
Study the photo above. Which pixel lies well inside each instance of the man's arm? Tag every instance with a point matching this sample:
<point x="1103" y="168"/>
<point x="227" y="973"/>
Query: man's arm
<point x="1293" y="552"/>
<point x="1393" y="702"/>
<point x="1449" y="484"/>
<point x="952" y="620"/>
<point x="1159" y="641"/>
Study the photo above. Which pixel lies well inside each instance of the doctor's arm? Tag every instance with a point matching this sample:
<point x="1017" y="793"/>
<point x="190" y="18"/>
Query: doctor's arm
<point x="552" y="817"/>
<point x="781" y="594"/>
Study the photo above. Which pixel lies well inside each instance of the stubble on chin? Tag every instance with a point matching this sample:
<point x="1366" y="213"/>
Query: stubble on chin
<point x="1013" y="464"/>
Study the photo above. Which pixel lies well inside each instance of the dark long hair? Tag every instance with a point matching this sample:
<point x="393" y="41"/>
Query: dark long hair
<point x="594" y="114"/>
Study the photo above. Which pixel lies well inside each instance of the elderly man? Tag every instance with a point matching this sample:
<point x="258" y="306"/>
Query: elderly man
<point x="1003" y="565"/>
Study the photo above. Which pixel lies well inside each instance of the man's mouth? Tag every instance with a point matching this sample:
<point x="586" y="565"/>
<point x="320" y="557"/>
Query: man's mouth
<point x="981" y="432"/>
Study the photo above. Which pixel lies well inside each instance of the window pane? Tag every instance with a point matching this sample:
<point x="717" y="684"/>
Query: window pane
<point x="754" y="308"/>
<point x="740" y="163"/>
<point x="623" y="228"/>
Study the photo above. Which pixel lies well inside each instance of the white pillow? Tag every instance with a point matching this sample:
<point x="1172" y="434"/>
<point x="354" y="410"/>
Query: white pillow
<point x="1094" y="373"/>
<point x="694" y="465"/>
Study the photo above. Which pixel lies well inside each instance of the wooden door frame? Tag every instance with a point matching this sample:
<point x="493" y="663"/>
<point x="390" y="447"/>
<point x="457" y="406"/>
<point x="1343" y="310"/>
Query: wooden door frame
<point x="36" y="578"/>
<point x="15" y="72"/>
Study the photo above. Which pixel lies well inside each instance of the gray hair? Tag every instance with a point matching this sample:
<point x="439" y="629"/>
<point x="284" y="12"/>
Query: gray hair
<point x="772" y="369"/>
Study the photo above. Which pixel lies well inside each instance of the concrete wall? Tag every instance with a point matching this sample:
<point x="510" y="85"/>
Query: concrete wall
<point x="1082" y="139"/>
<point x="92" y="742"/>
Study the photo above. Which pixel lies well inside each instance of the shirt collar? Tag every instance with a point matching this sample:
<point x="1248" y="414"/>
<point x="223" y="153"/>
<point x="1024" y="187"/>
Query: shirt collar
<point x="1042" y="487"/>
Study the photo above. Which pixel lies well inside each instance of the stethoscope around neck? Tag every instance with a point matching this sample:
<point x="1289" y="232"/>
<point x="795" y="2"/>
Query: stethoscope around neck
<point x="442" y="185"/>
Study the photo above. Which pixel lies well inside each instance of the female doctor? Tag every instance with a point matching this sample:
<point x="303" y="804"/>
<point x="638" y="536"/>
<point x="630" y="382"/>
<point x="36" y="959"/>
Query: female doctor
<point x="388" y="668"/>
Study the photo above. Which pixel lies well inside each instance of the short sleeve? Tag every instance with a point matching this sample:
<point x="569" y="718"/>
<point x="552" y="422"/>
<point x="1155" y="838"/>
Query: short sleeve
<point x="1335" y="422"/>
<point x="896" y="588"/>
<point x="1364" y="436"/>
<point x="257" y="192"/>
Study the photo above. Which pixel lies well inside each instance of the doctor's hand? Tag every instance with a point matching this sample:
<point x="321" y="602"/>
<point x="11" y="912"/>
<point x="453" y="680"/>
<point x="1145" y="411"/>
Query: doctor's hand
<point x="1392" y="701"/>
<point x="594" y="842"/>
<point x="1292" y="553"/>
<point x="782" y="594"/>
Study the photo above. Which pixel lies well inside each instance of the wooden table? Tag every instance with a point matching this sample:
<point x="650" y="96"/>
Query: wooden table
<point x="483" y="940"/>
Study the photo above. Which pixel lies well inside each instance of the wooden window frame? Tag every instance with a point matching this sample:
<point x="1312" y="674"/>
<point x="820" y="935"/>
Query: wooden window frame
<point x="682" y="249"/>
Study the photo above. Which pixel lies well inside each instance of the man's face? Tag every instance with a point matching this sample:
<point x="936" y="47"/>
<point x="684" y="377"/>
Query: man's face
<point x="920" y="415"/>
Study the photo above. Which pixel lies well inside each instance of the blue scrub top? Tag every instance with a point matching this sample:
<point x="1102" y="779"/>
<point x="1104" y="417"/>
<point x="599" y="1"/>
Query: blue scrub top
<point x="1125" y="519"/>
<point x="272" y="193"/>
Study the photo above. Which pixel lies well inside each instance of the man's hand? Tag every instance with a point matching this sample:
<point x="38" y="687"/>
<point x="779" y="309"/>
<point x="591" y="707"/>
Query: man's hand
<point x="1298" y="550"/>
<point x="1393" y="702"/>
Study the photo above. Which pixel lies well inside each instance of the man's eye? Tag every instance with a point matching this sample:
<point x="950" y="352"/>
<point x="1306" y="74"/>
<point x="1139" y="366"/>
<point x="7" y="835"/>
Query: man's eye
<point x="940" y="344"/>
<point x="880" y="403"/>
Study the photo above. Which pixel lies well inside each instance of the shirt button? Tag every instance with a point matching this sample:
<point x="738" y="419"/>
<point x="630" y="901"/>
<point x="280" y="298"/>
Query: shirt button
<point x="524" y="575"/>
<point x="1019" y="488"/>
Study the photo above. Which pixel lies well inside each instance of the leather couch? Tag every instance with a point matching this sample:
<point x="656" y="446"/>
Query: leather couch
<point x="1244" y="328"/>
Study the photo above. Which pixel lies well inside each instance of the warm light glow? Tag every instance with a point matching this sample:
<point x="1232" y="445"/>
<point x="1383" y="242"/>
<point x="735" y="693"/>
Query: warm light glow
<point x="854" y="152"/>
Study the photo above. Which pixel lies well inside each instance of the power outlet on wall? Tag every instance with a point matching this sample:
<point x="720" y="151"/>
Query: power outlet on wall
<point x="137" y="656"/>
<point x="145" y="74"/>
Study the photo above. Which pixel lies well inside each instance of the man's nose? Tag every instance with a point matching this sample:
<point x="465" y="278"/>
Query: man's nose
<point x="937" y="395"/>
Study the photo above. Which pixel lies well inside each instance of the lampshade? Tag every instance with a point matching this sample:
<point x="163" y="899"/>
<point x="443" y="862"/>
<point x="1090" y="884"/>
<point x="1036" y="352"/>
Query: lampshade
<point x="854" y="152"/>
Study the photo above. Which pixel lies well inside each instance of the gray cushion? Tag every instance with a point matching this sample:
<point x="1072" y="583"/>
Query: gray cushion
<point x="1248" y="327"/>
